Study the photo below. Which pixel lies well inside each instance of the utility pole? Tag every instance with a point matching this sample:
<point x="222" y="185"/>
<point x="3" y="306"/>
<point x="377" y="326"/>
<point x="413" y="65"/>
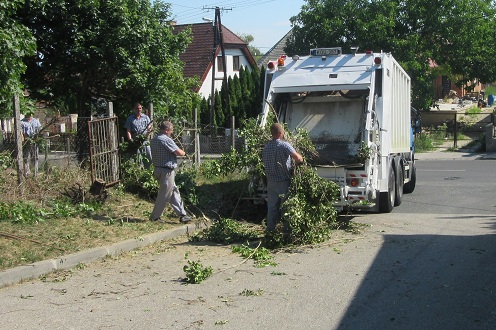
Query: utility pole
<point x="18" y="139"/>
<point x="218" y="39"/>
<point x="224" y="66"/>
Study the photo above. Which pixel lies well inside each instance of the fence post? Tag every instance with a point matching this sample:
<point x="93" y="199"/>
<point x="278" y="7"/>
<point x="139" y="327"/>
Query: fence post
<point x="18" y="139"/>
<point x="110" y="109"/>
<point x="233" y="141"/>
<point x="196" y="138"/>
<point x="455" y="133"/>
<point x="150" y="111"/>
<point x="114" y="144"/>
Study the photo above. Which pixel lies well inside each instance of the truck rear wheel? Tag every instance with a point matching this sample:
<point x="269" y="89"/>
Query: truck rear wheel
<point x="410" y="186"/>
<point x="387" y="199"/>
<point x="399" y="186"/>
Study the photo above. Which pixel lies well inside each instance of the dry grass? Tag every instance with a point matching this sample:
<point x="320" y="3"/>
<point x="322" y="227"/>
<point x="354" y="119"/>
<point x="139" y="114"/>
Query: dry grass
<point x="121" y="216"/>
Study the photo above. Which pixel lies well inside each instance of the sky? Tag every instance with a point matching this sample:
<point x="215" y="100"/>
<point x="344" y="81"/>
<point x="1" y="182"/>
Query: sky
<point x="266" y="20"/>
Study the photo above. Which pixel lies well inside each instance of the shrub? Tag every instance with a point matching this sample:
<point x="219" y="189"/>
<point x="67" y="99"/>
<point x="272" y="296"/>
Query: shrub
<point x="423" y="143"/>
<point x="309" y="209"/>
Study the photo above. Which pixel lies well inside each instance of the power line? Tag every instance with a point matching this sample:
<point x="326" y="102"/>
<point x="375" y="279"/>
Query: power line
<point x="195" y="13"/>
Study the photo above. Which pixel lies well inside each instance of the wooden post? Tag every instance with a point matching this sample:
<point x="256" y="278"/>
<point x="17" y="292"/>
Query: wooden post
<point x="196" y="141"/>
<point x="110" y="109"/>
<point x="455" y="133"/>
<point x="233" y="140"/>
<point x="150" y="111"/>
<point x="18" y="139"/>
<point x="113" y="143"/>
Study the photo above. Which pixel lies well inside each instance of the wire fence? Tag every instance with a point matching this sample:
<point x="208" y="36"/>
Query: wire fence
<point x="66" y="140"/>
<point x="453" y="129"/>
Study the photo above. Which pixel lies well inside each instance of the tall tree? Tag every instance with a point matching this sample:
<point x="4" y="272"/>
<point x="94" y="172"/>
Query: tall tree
<point x="258" y="77"/>
<point x="237" y="92"/>
<point x="219" y="114"/>
<point x="16" y="42"/>
<point x="248" y="38"/>
<point x="122" y="51"/>
<point x="457" y="34"/>
<point x="204" y="111"/>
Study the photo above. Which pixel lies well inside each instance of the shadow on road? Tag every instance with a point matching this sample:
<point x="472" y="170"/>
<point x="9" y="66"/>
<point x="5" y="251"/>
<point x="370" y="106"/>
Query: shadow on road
<point x="429" y="282"/>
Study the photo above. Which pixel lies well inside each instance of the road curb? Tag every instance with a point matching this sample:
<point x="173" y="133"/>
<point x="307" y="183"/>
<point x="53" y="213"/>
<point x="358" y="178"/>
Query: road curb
<point x="433" y="155"/>
<point x="18" y="274"/>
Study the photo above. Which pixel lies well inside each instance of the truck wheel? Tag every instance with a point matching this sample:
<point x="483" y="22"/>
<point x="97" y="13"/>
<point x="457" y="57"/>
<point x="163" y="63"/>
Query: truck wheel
<point x="410" y="186"/>
<point x="387" y="199"/>
<point x="399" y="186"/>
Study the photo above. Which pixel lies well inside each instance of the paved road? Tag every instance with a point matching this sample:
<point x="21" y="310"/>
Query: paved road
<point x="426" y="265"/>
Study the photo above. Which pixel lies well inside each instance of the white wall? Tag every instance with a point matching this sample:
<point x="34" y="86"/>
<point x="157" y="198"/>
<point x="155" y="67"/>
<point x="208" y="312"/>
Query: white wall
<point x="205" y="89"/>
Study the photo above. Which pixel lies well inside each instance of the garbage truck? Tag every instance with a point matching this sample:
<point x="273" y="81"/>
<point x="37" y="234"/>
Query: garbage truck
<point x="357" y="110"/>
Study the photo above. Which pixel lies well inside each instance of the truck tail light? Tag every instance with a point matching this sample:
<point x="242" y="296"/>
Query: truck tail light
<point x="377" y="61"/>
<point x="271" y="65"/>
<point x="354" y="182"/>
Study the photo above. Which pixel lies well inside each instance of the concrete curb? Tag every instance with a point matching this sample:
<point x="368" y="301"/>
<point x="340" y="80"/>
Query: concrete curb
<point x="16" y="275"/>
<point x="455" y="155"/>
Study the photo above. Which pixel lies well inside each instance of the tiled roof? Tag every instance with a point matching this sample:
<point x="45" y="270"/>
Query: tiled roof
<point x="198" y="56"/>
<point x="276" y="51"/>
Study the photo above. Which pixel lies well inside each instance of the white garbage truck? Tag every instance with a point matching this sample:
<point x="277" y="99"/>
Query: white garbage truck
<point x="357" y="110"/>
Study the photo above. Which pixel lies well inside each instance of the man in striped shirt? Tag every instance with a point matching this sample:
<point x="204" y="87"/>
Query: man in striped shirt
<point x="276" y="156"/>
<point x="138" y="127"/>
<point x="164" y="156"/>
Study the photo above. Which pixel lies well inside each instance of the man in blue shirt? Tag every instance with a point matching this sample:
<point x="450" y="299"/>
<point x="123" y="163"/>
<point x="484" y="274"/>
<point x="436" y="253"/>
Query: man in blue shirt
<point x="138" y="126"/>
<point x="164" y="156"/>
<point x="276" y="156"/>
<point x="30" y="128"/>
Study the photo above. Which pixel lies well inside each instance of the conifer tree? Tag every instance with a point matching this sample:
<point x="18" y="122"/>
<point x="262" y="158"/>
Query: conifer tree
<point x="246" y="93"/>
<point x="219" y="117"/>
<point x="204" y="111"/>
<point x="241" y="113"/>
<point x="233" y="98"/>
<point x="260" y="95"/>
<point x="256" y="101"/>
<point x="226" y="106"/>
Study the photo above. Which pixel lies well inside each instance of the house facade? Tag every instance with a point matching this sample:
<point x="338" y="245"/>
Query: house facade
<point x="198" y="57"/>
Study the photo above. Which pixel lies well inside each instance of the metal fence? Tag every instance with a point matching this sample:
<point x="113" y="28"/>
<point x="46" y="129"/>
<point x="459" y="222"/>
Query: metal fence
<point x="453" y="129"/>
<point x="70" y="142"/>
<point x="210" y="141"/>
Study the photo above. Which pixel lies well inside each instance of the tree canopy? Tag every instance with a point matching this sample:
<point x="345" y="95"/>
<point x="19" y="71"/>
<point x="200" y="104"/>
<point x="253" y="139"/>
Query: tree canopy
<point x="90" y="52"/>
<point x="458" y="35"/>
<point x="16" y="41"/>
<point x="248" y="38"/>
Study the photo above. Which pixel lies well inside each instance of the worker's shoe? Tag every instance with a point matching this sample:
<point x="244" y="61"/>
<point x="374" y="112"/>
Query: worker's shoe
<point x="185" y="218"/>
<point x="159" y="220"/>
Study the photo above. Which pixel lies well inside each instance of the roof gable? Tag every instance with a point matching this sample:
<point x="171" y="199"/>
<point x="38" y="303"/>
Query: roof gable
<point x="197" y="57"/>
<point x="275" y="52"/>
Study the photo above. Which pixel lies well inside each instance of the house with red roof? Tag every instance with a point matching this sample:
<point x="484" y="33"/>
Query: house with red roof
<point x="198" y="57"/>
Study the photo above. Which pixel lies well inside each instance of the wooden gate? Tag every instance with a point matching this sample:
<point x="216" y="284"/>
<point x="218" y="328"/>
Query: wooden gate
<point x="104" y="151"/>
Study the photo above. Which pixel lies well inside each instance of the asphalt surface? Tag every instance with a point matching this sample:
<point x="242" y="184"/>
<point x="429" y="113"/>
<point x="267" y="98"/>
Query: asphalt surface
<point x="399" y="271"/>
<point x="18" y="274"/>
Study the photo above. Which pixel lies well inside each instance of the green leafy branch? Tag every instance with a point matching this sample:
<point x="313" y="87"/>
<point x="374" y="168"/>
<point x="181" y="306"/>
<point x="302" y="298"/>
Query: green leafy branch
<point x="196" y="272"/>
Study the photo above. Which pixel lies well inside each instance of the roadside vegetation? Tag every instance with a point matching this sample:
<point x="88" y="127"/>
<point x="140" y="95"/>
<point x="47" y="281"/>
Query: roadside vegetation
<point x="55" y="214"/>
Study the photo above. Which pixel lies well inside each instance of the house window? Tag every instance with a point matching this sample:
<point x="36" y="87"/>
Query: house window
<point x="235" y="63"/>
<point x="220" y="64"/>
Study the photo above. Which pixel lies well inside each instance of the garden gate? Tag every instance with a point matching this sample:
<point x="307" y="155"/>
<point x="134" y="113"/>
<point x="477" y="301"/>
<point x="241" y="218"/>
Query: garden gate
<point x="104" y="151"/>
